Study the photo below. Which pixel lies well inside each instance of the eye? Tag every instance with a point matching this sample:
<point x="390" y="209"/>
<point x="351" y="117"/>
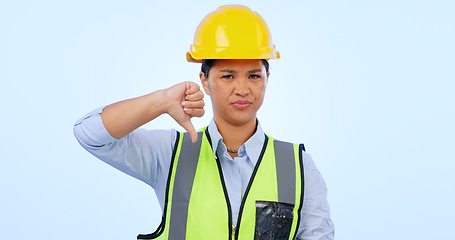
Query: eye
<point x="229" y="76"/>
<point x="254" y="76"/>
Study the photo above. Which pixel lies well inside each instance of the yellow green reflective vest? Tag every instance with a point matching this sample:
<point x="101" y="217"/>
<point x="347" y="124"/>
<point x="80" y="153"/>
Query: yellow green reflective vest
<point x="197" y="205"/>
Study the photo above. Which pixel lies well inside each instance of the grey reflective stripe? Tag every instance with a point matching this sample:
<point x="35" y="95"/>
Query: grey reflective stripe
<point x="285" y="171"/>
<point x="183" y="183"/>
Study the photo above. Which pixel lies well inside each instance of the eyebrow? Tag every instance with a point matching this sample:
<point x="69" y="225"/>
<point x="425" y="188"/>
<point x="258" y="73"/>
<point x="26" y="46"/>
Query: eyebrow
<point x="233" y="71"/>
<point x="255" y="71"/>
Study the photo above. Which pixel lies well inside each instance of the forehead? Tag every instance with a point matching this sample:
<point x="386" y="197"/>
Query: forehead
<point x="238" y="64"/>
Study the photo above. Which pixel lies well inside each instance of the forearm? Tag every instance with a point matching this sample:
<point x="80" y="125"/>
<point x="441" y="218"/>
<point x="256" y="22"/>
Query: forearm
<point x="125" y="116"/>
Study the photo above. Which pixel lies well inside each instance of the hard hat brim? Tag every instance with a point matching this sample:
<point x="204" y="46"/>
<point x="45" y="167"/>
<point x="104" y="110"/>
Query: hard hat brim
<point x="197" y="58"/>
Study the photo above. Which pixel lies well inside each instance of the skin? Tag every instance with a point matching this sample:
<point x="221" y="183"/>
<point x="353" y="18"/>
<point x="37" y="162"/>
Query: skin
<point x="181" y="101"/>
<point x="236" y="88"/>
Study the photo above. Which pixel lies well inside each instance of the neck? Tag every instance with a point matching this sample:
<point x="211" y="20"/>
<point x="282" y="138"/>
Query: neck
<point x="234" y="136"/>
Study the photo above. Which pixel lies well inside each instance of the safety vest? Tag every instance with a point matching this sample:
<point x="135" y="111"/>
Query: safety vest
<point x="197" y="205"/>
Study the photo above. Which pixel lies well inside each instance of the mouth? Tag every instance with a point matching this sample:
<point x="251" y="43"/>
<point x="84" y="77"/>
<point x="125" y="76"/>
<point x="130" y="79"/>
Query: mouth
<point x="241" y="104"/>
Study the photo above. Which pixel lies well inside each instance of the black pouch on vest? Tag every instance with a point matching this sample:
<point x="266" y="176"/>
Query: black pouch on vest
<point x="273" y="220"/>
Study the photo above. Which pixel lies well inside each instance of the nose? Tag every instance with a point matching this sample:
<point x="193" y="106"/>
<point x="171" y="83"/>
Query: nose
<point x="242" y="88"/>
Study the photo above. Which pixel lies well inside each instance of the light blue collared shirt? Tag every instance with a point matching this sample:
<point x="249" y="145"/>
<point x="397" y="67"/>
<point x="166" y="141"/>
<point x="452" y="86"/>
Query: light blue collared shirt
<point x="240" y="167"/>
<point x="146" y="155"/>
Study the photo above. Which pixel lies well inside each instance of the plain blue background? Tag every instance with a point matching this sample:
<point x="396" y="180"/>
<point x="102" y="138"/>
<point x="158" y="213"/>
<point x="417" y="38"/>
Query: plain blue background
<point x="368" y="86"/>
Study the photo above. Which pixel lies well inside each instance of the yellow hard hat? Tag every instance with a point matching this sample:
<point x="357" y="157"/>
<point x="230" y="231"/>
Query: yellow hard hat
<point x="232" y="32"/>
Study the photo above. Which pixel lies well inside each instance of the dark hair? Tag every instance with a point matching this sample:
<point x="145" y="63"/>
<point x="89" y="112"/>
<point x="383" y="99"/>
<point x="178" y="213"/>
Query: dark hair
<point x="207" y="64"/>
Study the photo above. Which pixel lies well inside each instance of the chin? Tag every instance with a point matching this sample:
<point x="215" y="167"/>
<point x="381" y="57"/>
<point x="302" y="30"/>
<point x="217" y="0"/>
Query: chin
<point x="236" y="117"/>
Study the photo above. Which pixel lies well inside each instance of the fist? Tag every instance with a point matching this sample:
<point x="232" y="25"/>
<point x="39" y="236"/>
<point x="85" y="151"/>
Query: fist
<point x="186" y="101"/>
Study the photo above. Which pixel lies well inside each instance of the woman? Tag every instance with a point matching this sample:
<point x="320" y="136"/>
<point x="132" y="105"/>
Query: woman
<point x="229" y="179"/>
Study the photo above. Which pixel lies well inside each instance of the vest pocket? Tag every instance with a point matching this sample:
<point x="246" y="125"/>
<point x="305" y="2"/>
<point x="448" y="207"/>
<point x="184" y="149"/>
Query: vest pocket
<point x="273" y="220"/>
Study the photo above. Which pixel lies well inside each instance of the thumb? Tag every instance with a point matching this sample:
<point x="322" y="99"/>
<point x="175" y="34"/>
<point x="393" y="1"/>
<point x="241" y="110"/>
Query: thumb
<point x="188" y="126"/>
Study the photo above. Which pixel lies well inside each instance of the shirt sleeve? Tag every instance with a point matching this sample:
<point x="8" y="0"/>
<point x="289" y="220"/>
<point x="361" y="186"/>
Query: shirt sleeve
<point x="142" y="154"/>
<point x="315" y="223"/>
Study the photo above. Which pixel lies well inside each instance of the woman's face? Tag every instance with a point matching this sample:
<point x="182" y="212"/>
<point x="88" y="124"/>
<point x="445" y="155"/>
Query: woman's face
<point x="236" y="88"/>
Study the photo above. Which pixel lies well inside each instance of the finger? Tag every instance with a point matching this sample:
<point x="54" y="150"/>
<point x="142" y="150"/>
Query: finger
<point x="195" y="112"/>
<point x="191" y="88"/>
<point x="194" y="96"/>
<point x="196" y="104"/>
<point x="188" y="126"/>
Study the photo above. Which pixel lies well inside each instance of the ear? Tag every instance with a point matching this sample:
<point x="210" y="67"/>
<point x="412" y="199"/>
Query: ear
<point x="204" y="82"/>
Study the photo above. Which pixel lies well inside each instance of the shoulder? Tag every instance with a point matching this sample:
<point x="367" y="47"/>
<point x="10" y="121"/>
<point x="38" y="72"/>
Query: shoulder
<point x="155" y="144"/>
<point x="277" y="142"/>
<point x="299" y="148"/>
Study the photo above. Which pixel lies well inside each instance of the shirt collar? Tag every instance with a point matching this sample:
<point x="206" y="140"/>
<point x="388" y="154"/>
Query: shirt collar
<point x="253" y="146"/>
